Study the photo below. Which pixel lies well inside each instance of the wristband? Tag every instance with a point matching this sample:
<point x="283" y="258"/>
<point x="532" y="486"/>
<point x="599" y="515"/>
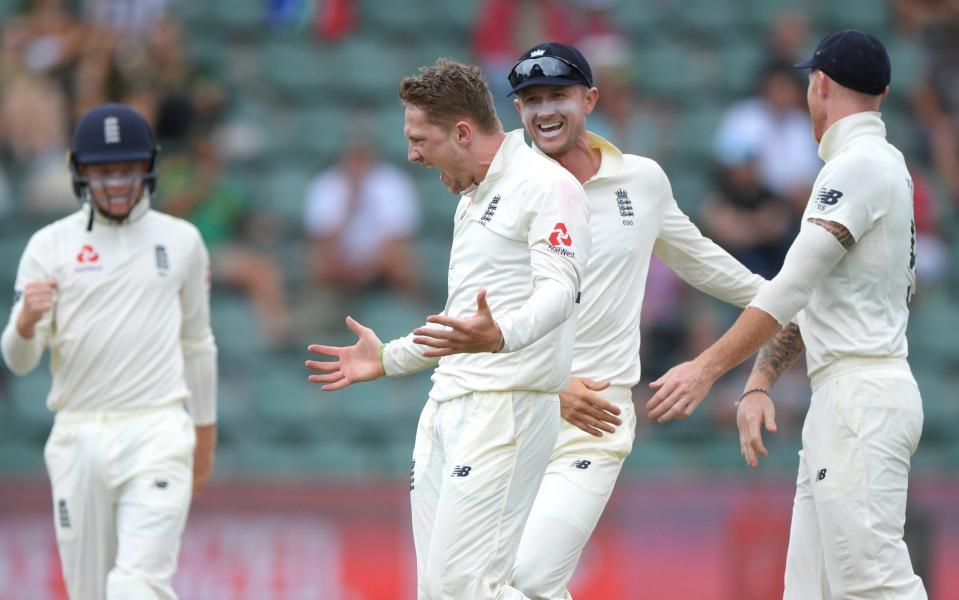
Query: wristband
<point x="749" y="391"/>
<point x="380" y="353"/>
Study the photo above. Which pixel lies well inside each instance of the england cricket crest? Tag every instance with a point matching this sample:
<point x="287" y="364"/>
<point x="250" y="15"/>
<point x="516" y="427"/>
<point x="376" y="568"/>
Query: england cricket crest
<point x="162" y="262"/>
<point x="625" y="206"/>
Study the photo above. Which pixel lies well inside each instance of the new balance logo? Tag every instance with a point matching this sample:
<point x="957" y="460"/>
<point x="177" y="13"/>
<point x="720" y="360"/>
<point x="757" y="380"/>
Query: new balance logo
<point x="111" y="130"/>
<point x="581" y="464"/>
<point x="490" y="210"/>
<point x="828" y="197"/>
<point x="161" y="484"/>
<point x="461" y="471"/>
<point x="62" y="513"/>
<point x="821" y="475"/>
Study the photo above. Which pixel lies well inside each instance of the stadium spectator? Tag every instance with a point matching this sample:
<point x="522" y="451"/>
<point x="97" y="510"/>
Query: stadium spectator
<point x="360" y="215"/>
<point x="773" y="127"/>
<point x="196" y="188"/>
<point x="747" y="218"/>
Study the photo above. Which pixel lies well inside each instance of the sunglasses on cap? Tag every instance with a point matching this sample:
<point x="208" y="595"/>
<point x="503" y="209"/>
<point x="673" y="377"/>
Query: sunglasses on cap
<point x="544" y="66"/>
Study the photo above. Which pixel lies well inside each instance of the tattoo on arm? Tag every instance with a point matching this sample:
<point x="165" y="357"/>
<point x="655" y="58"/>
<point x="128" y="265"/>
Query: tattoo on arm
<point x="780" y="353"/>
<point x="839" y="231"/>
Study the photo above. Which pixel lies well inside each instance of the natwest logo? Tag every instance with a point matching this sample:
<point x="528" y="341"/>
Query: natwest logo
<point x="560" y="236"/>
<point x="88" y="255"/>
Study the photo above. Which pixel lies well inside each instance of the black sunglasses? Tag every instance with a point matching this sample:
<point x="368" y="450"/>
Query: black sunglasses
<point x="544" y="66"/>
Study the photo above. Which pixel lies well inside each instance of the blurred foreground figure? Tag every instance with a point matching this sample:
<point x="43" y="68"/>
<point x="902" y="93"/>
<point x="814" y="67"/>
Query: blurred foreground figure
<point x="120" y="294"/>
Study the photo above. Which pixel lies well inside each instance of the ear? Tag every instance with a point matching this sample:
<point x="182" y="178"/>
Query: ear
<point x="822" y="83"/>
<point x="592" y="97"/>
<point x="518" y="106"/>
<point x="884" y="94"/>
<point x="463" y="132"/>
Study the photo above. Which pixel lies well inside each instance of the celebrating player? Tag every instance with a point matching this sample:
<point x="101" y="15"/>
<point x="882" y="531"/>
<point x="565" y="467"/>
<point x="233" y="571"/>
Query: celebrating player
<point x="521" y="233"/>
<point x="852" y="270"/>
<point x="120" y="293"/>
<point x="632" y="216"/>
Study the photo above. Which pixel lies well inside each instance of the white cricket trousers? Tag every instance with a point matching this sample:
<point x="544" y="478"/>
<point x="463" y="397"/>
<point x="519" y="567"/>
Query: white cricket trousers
<point x="122" y="482"/>
<point x="580" y="477"/>
<point x="845" y="543"/>
<point x="477" y="464"/>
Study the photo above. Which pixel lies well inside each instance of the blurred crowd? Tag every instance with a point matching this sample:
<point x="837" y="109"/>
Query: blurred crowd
<point x="362" y="211"/>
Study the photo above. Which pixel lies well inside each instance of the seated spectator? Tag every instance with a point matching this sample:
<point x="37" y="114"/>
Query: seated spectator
<point x="360" y="216"/>
<point x="746" y="218"/>
<point x="196" y="188"/>
<point x="774" y="127"/>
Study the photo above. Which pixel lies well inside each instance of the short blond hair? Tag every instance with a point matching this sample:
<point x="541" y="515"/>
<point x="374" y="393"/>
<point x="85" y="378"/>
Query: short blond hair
<point x="450" y="91"/>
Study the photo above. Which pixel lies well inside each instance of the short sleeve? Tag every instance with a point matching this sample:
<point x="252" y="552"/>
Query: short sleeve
<point x="852" y="192"/>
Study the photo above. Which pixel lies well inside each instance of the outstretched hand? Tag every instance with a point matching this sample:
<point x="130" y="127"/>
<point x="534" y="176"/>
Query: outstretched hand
<point x="479" y="333"/>
<point x="678" y="392"/>
<point x="359" y="362"/>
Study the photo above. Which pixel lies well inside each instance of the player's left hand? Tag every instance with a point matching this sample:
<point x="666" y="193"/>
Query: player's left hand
<point x="479" y="333"/>
<point x="754" y="409"/>
<point x="203" y="456"/>
<point x="678" y="392"/>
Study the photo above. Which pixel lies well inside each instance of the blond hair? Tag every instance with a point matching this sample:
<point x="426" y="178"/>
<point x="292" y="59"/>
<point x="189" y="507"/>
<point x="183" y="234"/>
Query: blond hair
<point x="450" y="91"/>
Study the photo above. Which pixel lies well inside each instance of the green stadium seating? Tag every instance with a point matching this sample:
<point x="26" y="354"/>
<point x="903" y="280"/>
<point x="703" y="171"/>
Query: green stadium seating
<point x="369" y="70"/>
<point x="298" y="70"/>
<point x="867" y="15"/>
<point x="715" y="19"/>
<point x="317" y="135"/>
<point x="638" y="18"/>
<point x="285" y="193"/>
<point x="236" y="330"/>
<point x="670" y="70"/>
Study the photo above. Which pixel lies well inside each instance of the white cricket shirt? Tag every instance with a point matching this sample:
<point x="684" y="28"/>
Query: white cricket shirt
<point x="131" y="301"/>
<point x="523" y="235"/>
<point x="862" y="307"/>
<point x="633" y="215"/>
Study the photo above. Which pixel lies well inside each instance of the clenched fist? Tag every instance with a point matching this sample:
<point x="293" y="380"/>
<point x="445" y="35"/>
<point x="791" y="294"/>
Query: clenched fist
<point x="37" y="300"/>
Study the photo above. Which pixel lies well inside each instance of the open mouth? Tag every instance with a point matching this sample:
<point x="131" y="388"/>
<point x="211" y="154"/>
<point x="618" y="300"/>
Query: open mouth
<point x="551" y="129"/>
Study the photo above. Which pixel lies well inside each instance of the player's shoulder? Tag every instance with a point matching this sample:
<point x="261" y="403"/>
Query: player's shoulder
<point x="643" y="166"/>
<point x="860" y="164"/>
<point x="541" y="170"/>
<point x="59" y="227"/>
<point x="174" y="225"/>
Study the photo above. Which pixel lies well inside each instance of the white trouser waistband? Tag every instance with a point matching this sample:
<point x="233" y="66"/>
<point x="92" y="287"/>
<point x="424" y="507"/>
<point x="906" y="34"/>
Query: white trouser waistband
<point x="855" y="364"/>
<point x="87" y="416"/>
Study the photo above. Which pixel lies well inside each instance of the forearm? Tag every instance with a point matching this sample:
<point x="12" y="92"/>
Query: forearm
<point x="21" y="353"/>
<point x="776" y="357"/>
<point x="200" y="373"/>
<point x="403" y="357"/>
<point x="748" y="334"/>
<point x="701" y="263"/>
<point x="550" y="304"/>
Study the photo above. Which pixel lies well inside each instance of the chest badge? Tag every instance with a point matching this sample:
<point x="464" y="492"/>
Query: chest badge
<point x="162" y="261"/>
<point x="88" y="255"/>
<point x="490" y="210"/>
<point x="625" y="206"/>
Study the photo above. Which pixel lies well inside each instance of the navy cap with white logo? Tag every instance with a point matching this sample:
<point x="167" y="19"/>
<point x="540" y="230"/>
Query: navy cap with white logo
<point x="853" y="59"/>
<point x="550" y="63"/>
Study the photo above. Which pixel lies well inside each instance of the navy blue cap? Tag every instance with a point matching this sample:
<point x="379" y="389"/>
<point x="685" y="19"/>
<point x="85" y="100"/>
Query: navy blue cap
<point x="550" y="63"/>
<point x="853" y="59"/>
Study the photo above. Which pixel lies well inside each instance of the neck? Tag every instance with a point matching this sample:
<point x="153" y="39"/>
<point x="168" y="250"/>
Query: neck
<point x="841" y="110"/>
<point x="484" y="150"/>
<point x="581" y="160"/>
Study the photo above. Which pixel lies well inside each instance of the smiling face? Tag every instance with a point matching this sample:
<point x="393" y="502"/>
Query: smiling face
<point x="115" y="187"/>
<point x="434" y="146"/>
<point x="555" y="116"/>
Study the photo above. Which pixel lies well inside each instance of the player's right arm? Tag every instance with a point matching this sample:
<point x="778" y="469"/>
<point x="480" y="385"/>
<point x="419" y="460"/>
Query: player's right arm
<point x="28" y="329"/>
